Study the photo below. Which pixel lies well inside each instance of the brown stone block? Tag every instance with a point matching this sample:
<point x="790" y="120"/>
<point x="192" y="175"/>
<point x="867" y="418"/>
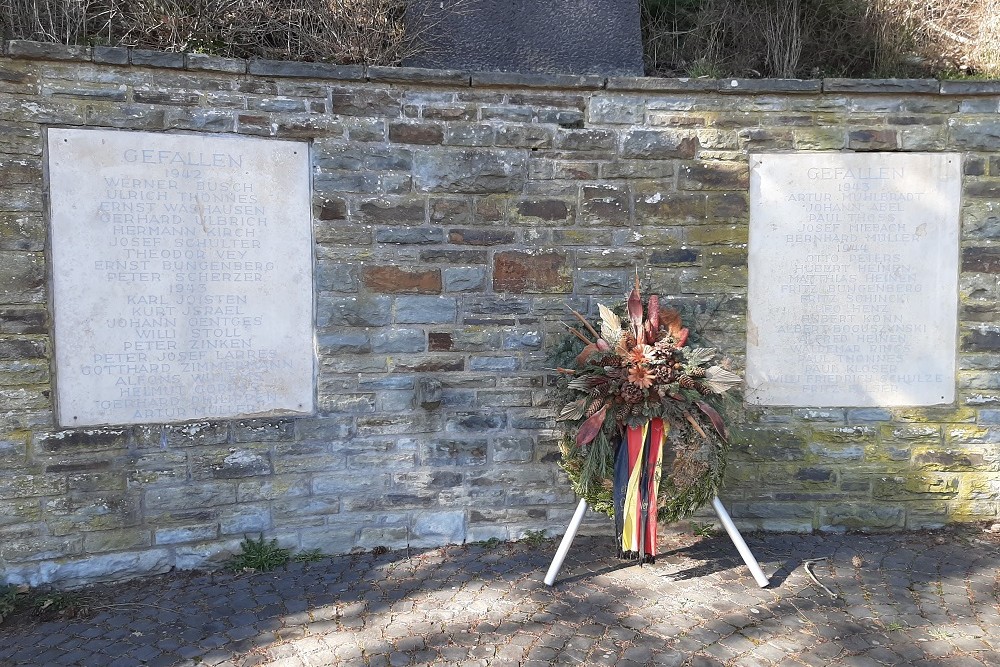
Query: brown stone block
<point x="520" y="272"/>
<point x="948" y="459"/>
<point x="330" y="209"/>
<point x="872" y="140"/>
<point x="658" y="145"/>
<point x="416" y="133"/>
<point x="401" y="211"/>
<point x="989" y="188"/>
<point x="768" y="139"/>
<point x="605" y="205"/>
<point x="451" y="211"/>
<point x="439" y="341"/>
<point x="981" y="260"/>
<point x="714" y="176"/>
<point x="481" y="236"/>
<point x="728" y="205"/>
<point x="656" y="236"/>
<point x="394" y="280"/>
<point x="547" y="210"/>
<point x="20" y="171"/>
<point x="417" y="363"/>
<point x="453" y="256"/>
<point x="366" y="102"/>
<point x="669" y="208"/>
<point x="490" y="209"/>
<point x="466" y="112"/>
<point x="582" y="237"/>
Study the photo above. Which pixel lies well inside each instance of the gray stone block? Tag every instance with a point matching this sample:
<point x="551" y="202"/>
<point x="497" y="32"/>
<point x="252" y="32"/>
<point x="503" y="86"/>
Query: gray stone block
<point x="209" y="63"/>
<point x="149" y="58"/>
<point x="111" y="55"/>
<point x="970" y="87"/>
<point x="464" y="278"/>
<point x="762" y="86"/>
<point x="513" y="450"/>
<point x="419" y="75"/>
<point x="397" y="340"/>
<point x="616" y="110"/>
<point x="306" y="70"/>
<point x="496" y="364"/>
<point x="351" y="342"/>
<point x="409" y="235"/>
<point x="434" y="528"/>
<point x="361" y="311"/>
<point x="107" y="567"/>
<point x="180" y="534"/>
<point x="20" y="48"/>
<point x="893" y="86"/>
<point x="428" y="393"/>
<point x="425" y="310"/>
<point x="653" y="84"/>
<point x="975" y="135"/>
<point x="469" y="171"/>
<point x="244" y="519"/>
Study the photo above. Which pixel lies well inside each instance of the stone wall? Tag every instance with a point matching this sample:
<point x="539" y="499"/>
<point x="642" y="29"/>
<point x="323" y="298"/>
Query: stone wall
<point x="455" y="217"/>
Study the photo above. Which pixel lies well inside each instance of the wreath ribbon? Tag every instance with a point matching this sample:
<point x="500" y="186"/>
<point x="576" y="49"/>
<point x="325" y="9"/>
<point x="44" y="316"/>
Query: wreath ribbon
<point x="637" y="473"/>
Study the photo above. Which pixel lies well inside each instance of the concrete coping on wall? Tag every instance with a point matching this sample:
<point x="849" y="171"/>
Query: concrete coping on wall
<point x="124" y="56"/>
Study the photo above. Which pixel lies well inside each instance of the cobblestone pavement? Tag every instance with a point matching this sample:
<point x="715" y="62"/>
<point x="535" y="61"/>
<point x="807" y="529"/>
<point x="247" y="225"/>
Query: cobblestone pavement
<point x="903" y="599"/>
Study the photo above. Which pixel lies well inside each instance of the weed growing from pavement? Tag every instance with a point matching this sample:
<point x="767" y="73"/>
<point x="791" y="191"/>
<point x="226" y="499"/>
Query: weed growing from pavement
<point x="702" y="529"/>
<point x="258" y="555"/>
<point x="25" y="601"/>
<point x="491" y="543"/>
<point x="309" y="556"/>
<point x="534" y="538"/>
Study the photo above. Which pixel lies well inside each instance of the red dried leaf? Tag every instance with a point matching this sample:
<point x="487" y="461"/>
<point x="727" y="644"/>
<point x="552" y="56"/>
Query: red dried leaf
<point x="590" y="428"/>
<point x="653" y="308"/>
<point x="649" y="331"/>
<point x="681" y="338"/>
<point x="714" y="417"/>
<point x="635" y="307"/>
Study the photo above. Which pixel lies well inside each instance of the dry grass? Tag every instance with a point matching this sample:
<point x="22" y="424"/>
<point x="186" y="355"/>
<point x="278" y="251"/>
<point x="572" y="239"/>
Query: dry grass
<point x="370" y="32"/>
<point x="809" y="38"/>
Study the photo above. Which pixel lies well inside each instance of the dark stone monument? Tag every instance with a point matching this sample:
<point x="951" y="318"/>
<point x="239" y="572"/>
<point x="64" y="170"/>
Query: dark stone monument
<point x="530" y="36"/>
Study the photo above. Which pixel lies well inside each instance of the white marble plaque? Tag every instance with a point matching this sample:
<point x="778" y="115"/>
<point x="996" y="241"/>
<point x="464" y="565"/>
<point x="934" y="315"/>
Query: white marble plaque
<point x="181" y="276"/>
<point x="853" y="292"/>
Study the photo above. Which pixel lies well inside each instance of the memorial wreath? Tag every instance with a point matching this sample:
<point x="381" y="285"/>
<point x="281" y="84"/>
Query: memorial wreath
<point x="637" y="399"/>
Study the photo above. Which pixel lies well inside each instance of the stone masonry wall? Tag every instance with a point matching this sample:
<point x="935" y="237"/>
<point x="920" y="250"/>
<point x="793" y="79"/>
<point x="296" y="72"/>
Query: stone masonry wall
<point x="456" y="215"/>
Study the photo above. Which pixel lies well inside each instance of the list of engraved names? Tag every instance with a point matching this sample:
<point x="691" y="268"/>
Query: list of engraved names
<point x="182" y="276"/>
<point x="853" y="279"/>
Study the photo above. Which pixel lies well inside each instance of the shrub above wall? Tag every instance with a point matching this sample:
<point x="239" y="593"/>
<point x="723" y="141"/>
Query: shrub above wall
<point x="455" y="215"/>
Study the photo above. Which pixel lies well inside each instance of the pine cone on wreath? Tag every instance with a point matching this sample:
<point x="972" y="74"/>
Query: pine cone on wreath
<point x="594" y="406"/>
<point x="664" y="375"/>
<point x="687" y="382"/>
<point x="631" y="393"/>
<point x="698" y="372"/>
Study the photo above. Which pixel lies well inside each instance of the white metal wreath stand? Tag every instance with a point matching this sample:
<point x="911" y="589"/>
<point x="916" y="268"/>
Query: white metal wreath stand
<point x="727" y="523"/>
